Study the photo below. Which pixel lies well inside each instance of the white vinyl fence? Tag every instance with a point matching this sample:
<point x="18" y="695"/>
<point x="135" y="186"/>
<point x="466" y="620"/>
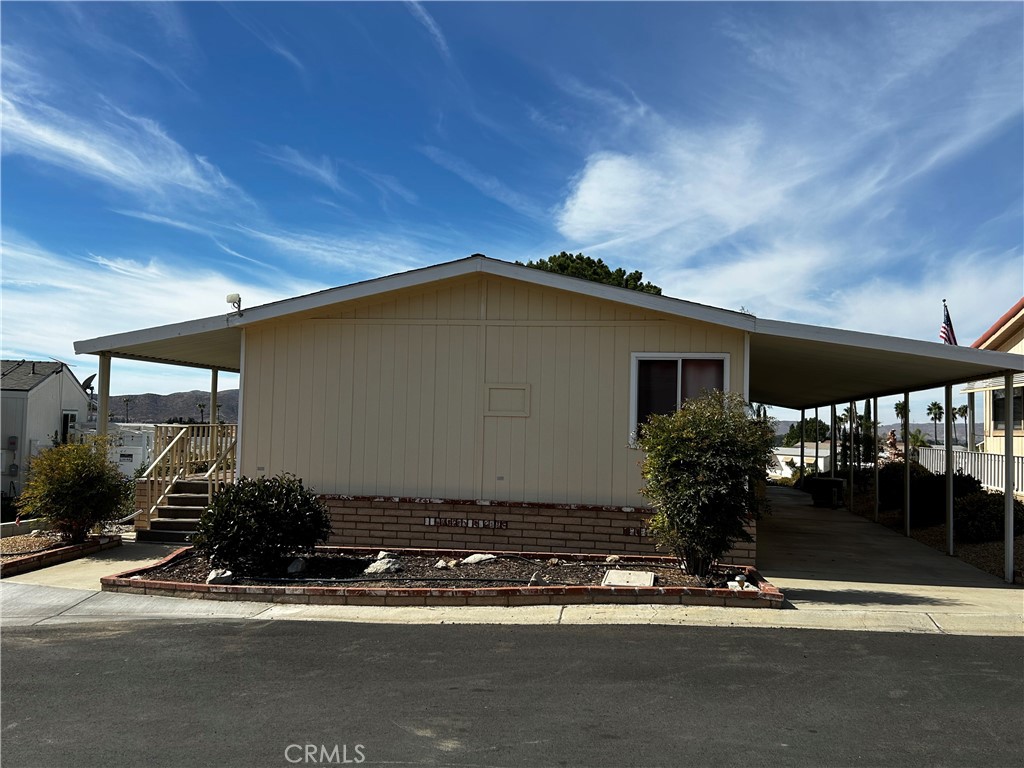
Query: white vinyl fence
<point x="986" y="467"/>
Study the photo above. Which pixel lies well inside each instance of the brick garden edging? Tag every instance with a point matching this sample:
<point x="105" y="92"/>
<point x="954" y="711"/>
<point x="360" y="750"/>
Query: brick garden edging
<point x="135" y="582"/>
<point x="49" y="557"/>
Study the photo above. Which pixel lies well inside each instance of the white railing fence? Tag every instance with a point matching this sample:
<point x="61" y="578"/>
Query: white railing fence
<point x="988" y="468"/>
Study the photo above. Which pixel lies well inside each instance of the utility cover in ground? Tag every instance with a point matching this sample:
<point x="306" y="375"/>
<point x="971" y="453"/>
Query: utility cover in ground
<point x="628" y="579"/>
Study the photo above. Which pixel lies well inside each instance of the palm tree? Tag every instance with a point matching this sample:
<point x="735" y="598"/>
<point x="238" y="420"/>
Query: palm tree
<point x="202" y="407"/>
<point x="901" y="413"/>
<point x="935" y="413"/>
<point x="961" y="412"/>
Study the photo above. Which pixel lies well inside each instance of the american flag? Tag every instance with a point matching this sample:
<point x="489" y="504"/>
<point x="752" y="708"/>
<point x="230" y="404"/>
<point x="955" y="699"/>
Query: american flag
<point x="946" y="332"/>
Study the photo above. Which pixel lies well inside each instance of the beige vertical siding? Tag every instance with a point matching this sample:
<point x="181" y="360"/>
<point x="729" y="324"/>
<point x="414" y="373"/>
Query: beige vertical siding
<point x="388" y="397"/>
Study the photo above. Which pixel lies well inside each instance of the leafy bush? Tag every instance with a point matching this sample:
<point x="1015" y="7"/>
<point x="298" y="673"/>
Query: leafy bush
<point x="979" y="517"/>
<point x="252" y="524"/>
<point x="75" y="487"/>
<point x="701" y="466"/>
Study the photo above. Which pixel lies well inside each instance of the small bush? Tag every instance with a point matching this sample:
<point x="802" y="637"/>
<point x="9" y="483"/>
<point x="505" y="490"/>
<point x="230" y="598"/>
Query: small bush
<point x="702" y="465"/>
<point x="254" y="523"/>
<point x="75" y="487"/>
<point x="979" y="517"/>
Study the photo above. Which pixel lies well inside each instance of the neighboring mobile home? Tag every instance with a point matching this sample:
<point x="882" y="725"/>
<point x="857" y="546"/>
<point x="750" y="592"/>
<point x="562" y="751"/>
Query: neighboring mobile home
<point x="479" y="403"/>
<point x="42" y="405"/>
<point x="1005" y="335"/>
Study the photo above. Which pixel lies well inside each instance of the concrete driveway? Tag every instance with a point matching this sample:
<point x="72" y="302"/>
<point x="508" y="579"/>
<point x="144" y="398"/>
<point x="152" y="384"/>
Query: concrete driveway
<point x="832" y="560"/>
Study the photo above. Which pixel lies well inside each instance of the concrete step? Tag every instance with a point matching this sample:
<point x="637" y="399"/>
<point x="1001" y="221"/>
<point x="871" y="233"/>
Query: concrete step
<point x="191" y="486"/>
<point x="164" y="537"/>
<point x="180" y="512"/>
<point x="186" y="499"/>
<point x="174" y="524"/>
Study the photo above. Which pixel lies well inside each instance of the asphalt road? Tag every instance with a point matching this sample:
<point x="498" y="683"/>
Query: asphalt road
<point x="256" y="694"/>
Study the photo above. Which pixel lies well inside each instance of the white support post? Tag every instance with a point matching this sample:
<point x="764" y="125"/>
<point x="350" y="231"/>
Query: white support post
<point x="803" y="432"/>
<point x="103" y="385"/>
<point x="832" y="453"/>
<point x="1008" y="480"/>
<point x="949" y="469"/>
<point x="213" y="396"/>
<point x="874" y="447"/>
<point x="970" y="421"/>
<point x="852" y="430"/>
<point x="906" y="464"/>
<point x="817" y="442"/>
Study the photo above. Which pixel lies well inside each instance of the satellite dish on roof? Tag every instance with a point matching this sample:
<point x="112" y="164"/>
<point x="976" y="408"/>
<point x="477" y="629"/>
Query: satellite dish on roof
<point x="87" y="384"/>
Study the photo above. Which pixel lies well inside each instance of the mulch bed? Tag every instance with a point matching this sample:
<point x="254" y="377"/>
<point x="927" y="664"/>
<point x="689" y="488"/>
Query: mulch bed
<point x="506" y="570"/>
<point x="14" y="547"/>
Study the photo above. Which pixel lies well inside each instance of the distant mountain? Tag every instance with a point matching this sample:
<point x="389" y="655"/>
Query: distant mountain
<point x="159" y="409"/>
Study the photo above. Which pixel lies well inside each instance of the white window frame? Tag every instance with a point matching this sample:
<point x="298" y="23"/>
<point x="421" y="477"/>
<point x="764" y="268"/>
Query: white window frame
<point x="636" y="357"/>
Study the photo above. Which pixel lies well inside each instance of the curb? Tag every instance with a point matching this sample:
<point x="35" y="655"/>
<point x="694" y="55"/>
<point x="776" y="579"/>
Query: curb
<point x="135" y="582"/>
<point x="50" y="557"/>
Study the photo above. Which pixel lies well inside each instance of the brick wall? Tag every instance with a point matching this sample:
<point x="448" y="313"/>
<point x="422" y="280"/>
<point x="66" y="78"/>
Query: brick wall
<point x="376" y="521"/>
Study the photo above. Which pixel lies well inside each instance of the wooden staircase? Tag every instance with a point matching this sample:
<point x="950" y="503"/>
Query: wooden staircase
<point x="178" y="514"/>
<point x="194" y="461"/>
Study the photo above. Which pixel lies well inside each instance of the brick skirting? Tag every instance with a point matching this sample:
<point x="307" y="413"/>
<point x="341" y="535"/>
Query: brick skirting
<point x="389" y="522"/>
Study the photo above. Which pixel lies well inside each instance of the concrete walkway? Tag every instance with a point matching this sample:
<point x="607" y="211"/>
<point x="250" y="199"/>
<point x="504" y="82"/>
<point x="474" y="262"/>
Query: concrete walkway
<point x="832" y="561"/>
<point x="838" y="571"/>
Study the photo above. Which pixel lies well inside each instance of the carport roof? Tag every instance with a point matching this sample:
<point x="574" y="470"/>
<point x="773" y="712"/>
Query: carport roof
<point x="791" y="365"/>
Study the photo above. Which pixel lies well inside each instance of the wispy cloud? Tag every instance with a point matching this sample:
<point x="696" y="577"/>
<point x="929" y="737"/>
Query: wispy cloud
<point x="266" y="37"/>
<point x="488" y="185"/>
<point x="320" y="169"/>
<point x="126" y="151"/>
<point x="710" y="209"/>
<point x="424" y="18"/>
<point x="367" y="255"/>
<point x="118" y="291"/>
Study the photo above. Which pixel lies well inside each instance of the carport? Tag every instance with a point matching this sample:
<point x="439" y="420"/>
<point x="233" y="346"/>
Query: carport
<point x="806" y="367"/>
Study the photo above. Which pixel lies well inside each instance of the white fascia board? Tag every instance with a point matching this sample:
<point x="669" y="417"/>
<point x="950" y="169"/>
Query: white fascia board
<point x="157" y="333"/>
<point x="996" y="361"/>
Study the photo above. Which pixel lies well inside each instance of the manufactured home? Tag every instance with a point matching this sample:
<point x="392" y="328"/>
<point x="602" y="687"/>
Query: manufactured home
<point x="479" y="403"/>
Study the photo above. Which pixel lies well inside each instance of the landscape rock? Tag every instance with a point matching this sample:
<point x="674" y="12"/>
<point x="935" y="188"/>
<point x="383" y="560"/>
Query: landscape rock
<point x="384" y="555"/>
<point x="553" y="561"/>
<point x="220" y="576"/>
<point x="442" y="563"/>
<point x="612" y="559"/>
<point x="385" y="565"/>
<point x="298" y="565"/>
<point x="478" y="558"/>
<point x="537" y="580"/>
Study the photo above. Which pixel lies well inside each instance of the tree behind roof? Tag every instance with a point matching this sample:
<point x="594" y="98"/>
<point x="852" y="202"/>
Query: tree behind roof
<point x="593" y="269"/>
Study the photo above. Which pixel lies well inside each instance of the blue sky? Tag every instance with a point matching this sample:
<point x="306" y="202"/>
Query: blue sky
<point x="841" y="164"/>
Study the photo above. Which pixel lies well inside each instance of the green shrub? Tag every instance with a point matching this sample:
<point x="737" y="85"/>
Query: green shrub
<point x="75" y="487"/>
<point x="701" y="466"/>
<point x="979" y="517"/>
<point x="252" y="524"/>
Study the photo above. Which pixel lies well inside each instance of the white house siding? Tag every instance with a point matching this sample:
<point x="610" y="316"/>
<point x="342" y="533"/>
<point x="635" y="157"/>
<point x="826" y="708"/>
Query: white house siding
<point x="994" y="438"/>
<point x="388" y="397"/>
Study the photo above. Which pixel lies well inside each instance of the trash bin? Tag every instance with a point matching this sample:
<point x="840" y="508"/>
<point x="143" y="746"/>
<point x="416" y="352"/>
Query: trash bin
<point x="828" y="492"/>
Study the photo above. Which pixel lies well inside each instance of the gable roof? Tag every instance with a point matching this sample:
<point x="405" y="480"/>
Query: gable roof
<point x="790" y="364"/>
<point x="1011" y="322"/>
<point x="25" y="375"/>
